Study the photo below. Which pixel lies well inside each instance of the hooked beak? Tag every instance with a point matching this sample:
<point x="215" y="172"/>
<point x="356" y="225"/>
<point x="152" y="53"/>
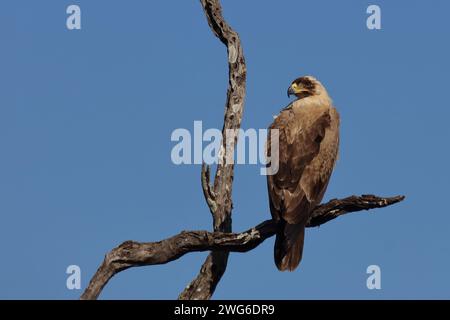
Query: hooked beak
<point x="290" y="91"/>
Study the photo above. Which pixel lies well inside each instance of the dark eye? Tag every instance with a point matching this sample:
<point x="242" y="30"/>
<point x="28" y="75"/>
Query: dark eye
<point x="308" y="84"/>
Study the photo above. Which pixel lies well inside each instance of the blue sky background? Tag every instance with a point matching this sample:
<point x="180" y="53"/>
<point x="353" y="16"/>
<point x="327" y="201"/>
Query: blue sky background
<point x="86" y="118"/>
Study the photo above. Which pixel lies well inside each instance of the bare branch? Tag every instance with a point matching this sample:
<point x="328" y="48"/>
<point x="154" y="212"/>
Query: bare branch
<point x="210" y="197"/>
<point x="203" y="286"/>
<point x="337" y="207"/>
<point x="134" y="254"/>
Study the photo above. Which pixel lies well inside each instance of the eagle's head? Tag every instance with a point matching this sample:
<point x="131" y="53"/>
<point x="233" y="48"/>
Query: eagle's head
<point x="305" y="87"/>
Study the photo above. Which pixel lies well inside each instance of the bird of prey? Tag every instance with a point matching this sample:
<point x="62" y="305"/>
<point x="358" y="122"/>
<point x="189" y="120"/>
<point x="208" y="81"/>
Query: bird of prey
<point x="307" y="151"/>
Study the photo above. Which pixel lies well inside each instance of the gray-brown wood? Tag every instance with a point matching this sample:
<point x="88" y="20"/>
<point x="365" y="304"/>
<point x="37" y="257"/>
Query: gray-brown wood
<point x="134" y="254"/>
<point x="218" y="196"/>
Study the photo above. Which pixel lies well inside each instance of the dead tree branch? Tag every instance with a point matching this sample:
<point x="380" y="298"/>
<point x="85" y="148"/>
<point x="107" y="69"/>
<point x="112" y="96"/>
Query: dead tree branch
<point x="134" y="254"/>
<point x="218" y="196"/>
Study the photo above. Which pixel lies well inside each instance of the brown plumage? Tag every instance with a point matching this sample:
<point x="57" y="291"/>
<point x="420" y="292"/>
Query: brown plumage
<point x="308" y="148"/>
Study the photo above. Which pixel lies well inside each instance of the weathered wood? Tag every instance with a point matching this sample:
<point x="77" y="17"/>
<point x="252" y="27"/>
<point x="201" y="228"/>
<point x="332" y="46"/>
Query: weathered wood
<point x="219" y="199"/>
<point x="134" y="254"/>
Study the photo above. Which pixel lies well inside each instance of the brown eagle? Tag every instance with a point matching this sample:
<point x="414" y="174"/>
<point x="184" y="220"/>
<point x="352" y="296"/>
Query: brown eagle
<point x="307" y="151"/>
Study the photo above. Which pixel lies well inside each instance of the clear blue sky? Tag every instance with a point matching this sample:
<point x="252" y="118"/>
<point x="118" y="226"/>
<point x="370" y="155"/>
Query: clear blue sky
<point x="86" y="118"/>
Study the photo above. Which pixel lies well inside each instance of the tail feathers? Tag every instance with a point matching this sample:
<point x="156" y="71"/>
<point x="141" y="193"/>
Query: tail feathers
<point x="289" y="246"/>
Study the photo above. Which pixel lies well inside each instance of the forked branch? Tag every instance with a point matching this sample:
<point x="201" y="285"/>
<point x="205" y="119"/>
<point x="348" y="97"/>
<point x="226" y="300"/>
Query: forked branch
<point x="218" y="196"/>
<point x="134" y="254"/>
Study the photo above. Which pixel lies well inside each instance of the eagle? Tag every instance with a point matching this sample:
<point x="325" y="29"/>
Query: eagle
<point x="308" y="132"/>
